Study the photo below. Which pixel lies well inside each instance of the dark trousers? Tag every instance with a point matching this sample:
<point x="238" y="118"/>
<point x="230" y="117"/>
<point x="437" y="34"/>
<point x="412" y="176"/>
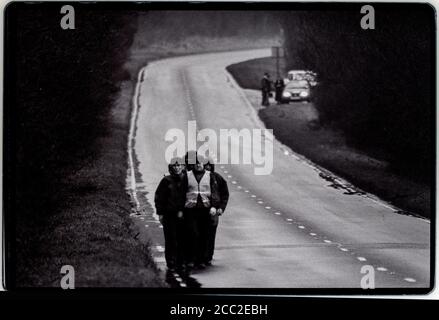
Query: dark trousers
<point x="172" y="229"/>
<point x="211" y="234"/>
<point x="279" y="94"/>
<point x="265" y="101"/>
<point x="195" y="235"/>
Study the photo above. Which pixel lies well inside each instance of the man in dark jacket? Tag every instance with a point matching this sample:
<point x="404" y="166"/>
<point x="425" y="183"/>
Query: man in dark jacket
<point x="279" y="86"/>
<point x="169" y="202"/>
<point x="219" y="199"/>
<point x="266" y="89"/>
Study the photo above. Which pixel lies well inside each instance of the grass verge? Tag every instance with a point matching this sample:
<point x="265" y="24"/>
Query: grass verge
<point x="92" y="231"/>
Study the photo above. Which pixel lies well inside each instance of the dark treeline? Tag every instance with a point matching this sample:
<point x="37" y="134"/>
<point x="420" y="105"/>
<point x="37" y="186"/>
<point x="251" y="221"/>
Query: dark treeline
<point x="65" y="81"/>
<point x="375" y="85"/>
<point x="173" y="25"/>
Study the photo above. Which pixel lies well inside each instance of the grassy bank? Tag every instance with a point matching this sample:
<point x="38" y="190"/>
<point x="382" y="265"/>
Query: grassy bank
<point x="297" y="126"/>
<point x="249" y="74"/>
<point x="91" y="229"/>
<point x="66" y="168"/>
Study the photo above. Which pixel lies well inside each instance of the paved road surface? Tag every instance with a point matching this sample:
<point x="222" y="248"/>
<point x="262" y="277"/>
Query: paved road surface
<point x="288" y="229"/>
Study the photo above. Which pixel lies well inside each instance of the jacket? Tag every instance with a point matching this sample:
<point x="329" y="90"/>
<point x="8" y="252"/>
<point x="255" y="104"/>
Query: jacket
<point x="170" y="195"/>
<point x="219" y="192"/>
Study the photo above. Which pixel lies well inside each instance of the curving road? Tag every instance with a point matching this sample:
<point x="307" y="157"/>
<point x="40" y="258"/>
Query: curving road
<point x="287" y="229"/>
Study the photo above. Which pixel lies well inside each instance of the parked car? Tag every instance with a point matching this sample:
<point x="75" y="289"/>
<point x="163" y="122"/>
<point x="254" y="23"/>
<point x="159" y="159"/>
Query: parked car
<point x="296" y="90"/>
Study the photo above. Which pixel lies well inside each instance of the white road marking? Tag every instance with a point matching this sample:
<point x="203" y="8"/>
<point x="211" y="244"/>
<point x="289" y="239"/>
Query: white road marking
<point x="381" y="269"/>
<point x="409" y="279"/>
<point x="131" y="136"/>
<point x="362" y="258"/>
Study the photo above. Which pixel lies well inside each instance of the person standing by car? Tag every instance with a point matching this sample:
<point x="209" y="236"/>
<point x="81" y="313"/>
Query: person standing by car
<point x="266" y="89"/>
<point x="219" y="199"/>
<point x="169" y="202"/>
<point x="279" y="86"/>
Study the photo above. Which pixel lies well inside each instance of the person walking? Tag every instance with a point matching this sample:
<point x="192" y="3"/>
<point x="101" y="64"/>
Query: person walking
<point x="169" y="201"/>
<point x="266" y="89"/>
<point x="196" y="213"/>
<point x="219" y="199"/>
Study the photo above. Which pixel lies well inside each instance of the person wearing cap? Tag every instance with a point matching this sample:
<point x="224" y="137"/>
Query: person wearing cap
<point x="219" y="199"/>
<point x="169" y="202"/>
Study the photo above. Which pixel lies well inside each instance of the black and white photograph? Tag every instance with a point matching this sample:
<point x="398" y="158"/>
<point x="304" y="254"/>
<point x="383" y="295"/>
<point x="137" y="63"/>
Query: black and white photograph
<point x="275" y="148"/>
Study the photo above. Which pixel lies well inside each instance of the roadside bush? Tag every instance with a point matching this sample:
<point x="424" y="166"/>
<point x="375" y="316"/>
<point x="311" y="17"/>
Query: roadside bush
<point x="375" y="85"/>
<point x="64" y="85"/>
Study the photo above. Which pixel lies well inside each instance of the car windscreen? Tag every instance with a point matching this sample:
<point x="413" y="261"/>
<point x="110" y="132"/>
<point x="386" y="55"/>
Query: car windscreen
<point x="297" y="84"/>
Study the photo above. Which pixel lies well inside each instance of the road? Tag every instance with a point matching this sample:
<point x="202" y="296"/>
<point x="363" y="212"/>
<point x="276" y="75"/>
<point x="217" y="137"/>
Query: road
<point x="287" y="229"/>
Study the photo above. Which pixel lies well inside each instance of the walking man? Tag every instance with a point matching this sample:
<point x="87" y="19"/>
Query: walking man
<point x="169" y="202"/>
<point x="219" y="199"/>
<point x="196" y="213"/>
